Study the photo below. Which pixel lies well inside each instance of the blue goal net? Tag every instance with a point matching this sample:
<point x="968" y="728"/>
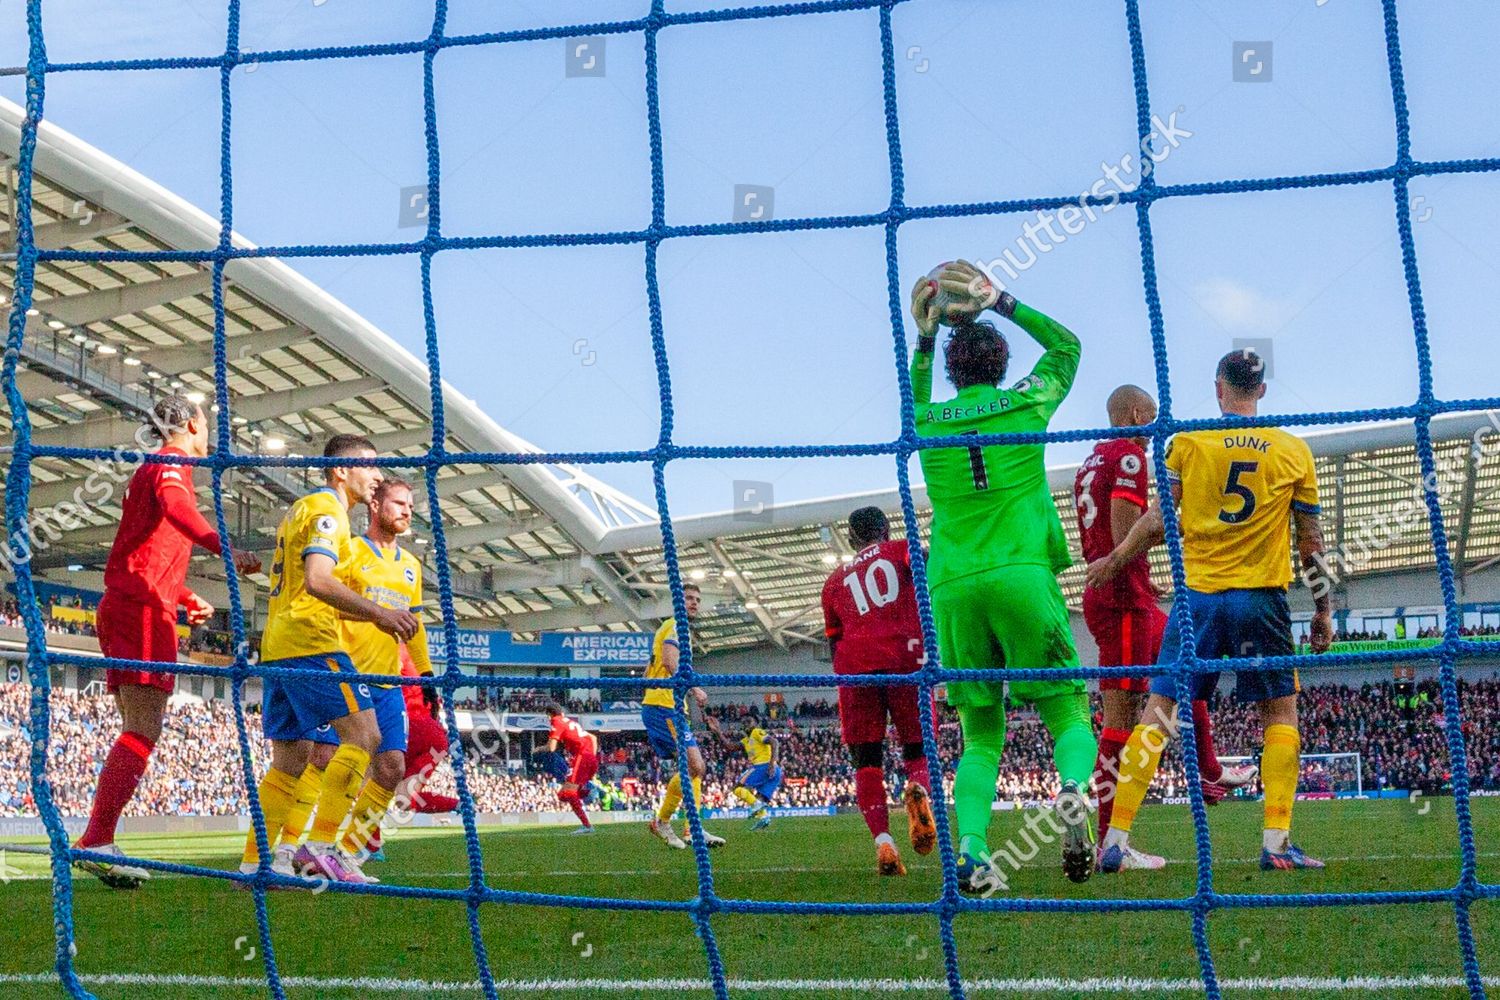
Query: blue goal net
<point x="702" y="909"/>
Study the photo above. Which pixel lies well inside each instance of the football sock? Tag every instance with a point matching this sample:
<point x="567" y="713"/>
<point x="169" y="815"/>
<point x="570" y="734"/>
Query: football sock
<point x="376" y="841"/>
<point x="278" y="793"/>
<point x="1107" y="774"/>
<point x="431" y="802"/>
<point x="698" y="795"/>
<point x="117" y="781"/>
<point x="1278" y="773"/>
<point x="1071" y="723"/>
<point x="671" y="799"/>
<point x="369" y="810"/>
<point x="869" y="792"/>
<point x="916" y="770"/>
<point x="745" y="795"/>
<point x="1138" y="760"/>
<point x="570" y="796"/>
<point x="1203" y="740"/>
<point x="974" y="779"/>
<point x="308" y="787"/>
<point x="341" y="781"/>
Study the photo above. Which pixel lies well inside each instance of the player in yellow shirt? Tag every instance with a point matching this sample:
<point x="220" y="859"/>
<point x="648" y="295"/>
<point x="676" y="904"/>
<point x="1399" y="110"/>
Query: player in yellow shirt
<point x="380" y="570"/>
<point x="303" y="631"/>
<point x="1238" y="492"/>
<point x="761" y="781"/>
<point x="657" y="706"/>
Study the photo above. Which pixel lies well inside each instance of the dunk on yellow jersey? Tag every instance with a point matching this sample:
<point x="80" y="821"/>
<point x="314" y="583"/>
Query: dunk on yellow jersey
<point x="1239" y="488"/>
<point x="391" y="579"/>
<point x="297" y="623"/>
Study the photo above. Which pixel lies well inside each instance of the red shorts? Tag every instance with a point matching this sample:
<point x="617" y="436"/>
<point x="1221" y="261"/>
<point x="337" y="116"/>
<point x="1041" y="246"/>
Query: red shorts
<point x="131" y="631"/>
<point x="863" y="712"/>
<point x="585" y="766"/>
<point x="1126" y="638"/>
<point x="425" y="739"/>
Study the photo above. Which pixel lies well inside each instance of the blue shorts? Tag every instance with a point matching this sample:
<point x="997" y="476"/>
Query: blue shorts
<point x="1234" y="623"/>
<point x="390" y="712"/>
<point x="661" y="730"/>
<point x="762" y="779"/>
<point x="292" y="707"/>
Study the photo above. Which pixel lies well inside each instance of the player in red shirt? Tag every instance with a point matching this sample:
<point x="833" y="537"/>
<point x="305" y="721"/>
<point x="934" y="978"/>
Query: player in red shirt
<point x="870" y="613"/>
<point x="584" y="746"/>
<point x="426" y="748"/>
<point x="145" y="581"/>
<point x="1110" y="494"/>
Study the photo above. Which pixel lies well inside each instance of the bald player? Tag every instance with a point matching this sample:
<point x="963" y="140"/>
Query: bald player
<point x="1110" y="495"/>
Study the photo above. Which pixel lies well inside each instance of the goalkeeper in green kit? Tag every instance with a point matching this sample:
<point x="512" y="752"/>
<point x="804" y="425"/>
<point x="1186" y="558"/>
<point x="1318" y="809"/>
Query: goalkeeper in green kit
<point x="997" y="546"/>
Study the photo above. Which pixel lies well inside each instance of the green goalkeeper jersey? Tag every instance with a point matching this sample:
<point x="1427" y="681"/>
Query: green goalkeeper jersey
<point x="991" y="505"/>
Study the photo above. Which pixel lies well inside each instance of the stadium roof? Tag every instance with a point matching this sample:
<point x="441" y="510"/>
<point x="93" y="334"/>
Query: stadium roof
<point x="534" y="547"/>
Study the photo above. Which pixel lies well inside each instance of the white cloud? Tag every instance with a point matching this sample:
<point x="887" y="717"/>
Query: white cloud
<point x="1239" y="308"/>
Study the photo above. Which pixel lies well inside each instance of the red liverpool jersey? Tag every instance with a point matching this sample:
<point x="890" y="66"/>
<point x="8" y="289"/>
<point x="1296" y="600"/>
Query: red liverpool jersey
<point x="148" y="562"/>
<point x="870" y="609"/>
<point x="573" y="736"/>
<point x="1115" y="471"/>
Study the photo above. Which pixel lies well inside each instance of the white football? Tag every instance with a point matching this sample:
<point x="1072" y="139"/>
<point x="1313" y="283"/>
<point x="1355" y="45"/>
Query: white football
<point x="969" y="305"/>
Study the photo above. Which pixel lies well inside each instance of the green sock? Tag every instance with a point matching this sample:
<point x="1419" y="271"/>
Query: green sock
<point x="974" y="779"/>
<point x="1074" y="749"/>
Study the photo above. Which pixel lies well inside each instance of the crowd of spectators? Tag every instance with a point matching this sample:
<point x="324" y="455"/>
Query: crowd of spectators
<point x="10" y="616"/>
<point x="196" y="769"/>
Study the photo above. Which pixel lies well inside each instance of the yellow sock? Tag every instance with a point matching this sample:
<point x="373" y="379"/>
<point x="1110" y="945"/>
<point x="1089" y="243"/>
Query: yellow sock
<point x="368" y="812"/>
<point x="1138" y="762"/>
<point x="341" y="783"/>
<point x="1278" y="773"/>
<point x="698" y="793"/>
<point x="308" y="787"/>
<point x="746" y="796"/>
<point x="671" y="799"/>
<point x="277" y="793"/>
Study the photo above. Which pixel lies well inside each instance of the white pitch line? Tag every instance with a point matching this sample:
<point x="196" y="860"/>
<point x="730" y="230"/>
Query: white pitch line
<point x="1032" y="986"/>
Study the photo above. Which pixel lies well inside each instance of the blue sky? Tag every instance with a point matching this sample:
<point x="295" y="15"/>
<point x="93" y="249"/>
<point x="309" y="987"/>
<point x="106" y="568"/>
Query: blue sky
<point x="779" y="339"/>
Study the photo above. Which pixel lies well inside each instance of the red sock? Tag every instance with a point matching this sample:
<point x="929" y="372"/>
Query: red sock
<point x="570" y="796"/>
<point x="869" y="791"/>
<point x="122" y="772"/>
<point x="1203" y="739"/>
<point x="430" y="802"/>
<point x="374" y="843"/>
<point x="1107" y="774"/>
<point x="916" y="770"/>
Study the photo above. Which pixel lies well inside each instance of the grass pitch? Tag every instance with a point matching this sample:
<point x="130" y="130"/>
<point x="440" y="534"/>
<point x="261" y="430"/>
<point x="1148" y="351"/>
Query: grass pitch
<point x="188" y="937"/>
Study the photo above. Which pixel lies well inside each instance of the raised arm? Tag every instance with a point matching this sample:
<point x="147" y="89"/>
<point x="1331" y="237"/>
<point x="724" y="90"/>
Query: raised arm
<point x="926" y="315"/>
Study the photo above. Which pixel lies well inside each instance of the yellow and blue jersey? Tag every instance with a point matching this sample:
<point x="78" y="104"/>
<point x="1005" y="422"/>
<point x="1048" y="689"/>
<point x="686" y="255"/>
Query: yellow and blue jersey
<point x="1239" y="488"/>
<point x="657" y="669"/>
<point x="297" y="623"/>
<point x="757" y="747"/>
<point x="392" y="579"/>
